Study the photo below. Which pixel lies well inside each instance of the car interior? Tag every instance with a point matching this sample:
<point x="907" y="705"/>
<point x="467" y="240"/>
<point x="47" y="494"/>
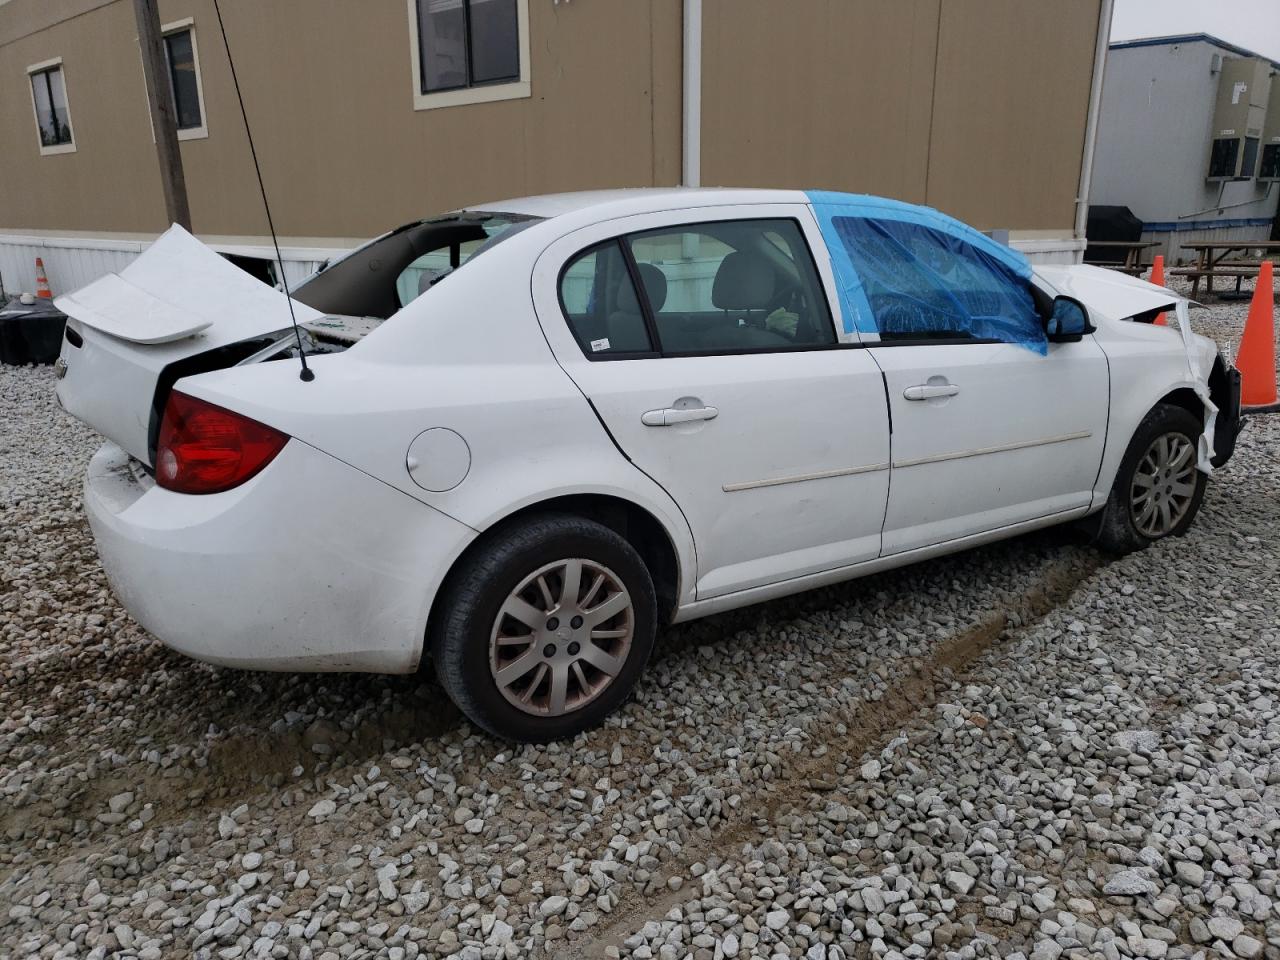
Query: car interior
<point x="727" y="287"/>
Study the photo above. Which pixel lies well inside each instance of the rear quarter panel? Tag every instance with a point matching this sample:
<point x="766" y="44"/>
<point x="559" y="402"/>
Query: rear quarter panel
<point x="469" y="356"/>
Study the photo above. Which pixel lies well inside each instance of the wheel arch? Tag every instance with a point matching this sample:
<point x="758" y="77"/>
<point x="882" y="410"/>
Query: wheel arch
<point x="636" y="524"/>
<point x="1185" y="398"/>
<point x="1129" y="407"/>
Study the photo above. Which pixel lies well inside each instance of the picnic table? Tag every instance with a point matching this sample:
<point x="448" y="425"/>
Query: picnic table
<point x="1226" y="259"/>
<point x="1132" y="249"/>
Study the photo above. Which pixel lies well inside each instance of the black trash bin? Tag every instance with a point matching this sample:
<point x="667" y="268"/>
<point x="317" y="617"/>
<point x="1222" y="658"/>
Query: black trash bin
<point x="31" y="333"/>
<point x="1110" y="223"/>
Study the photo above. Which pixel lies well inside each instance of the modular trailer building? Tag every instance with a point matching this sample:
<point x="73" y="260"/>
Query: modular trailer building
<point x="1189" y="140"/>
<point x="368" y="114"/>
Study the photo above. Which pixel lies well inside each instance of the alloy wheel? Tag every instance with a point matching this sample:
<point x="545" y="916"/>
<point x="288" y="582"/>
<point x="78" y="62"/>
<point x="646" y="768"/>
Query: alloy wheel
<point x="561" y="637"/>
<point x="1164" y="485"/>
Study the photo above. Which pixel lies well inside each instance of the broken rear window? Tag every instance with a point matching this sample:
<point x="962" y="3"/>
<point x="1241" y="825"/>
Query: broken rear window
<point x="384" y="275"/>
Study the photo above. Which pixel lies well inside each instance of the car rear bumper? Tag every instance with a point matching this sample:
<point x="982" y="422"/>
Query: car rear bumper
<point x="310" y="565"/>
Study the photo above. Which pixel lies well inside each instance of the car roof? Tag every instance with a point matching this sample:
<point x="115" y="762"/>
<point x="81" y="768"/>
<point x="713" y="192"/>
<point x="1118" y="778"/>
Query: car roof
<point x="607" y="203"/>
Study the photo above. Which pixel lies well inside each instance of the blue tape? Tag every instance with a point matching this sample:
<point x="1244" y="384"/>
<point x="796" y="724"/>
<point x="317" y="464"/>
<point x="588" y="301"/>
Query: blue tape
<point x="902" y="268"/>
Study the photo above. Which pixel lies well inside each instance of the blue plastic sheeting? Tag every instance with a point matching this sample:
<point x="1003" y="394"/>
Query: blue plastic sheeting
<point x="904" y="271"/>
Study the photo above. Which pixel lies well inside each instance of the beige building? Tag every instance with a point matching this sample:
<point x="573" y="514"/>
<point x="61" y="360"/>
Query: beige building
<point x="370" y="113"/>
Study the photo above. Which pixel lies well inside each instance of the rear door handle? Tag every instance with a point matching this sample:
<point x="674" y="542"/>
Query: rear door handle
<point x="928" y="391"/>
<point x="670" y="415"/>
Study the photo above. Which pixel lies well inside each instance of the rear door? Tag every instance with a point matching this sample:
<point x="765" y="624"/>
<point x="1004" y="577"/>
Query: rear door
<point x="704" y="341"/>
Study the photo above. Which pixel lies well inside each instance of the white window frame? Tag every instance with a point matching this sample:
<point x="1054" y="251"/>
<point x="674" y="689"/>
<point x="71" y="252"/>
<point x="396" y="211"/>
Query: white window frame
<point x="35" y="112"/>
<point x="193" y="133"/>
<point x="488" y="93"/>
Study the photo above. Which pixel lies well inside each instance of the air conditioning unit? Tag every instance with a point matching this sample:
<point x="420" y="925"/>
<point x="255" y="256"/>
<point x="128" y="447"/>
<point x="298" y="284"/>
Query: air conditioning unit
<point x="1269" y="165"/>
<point x="1243" y="88"/>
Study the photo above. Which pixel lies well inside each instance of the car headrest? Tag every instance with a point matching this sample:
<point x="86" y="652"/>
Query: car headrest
<point x="655" y="285"/>
<point x="744" y="281"/>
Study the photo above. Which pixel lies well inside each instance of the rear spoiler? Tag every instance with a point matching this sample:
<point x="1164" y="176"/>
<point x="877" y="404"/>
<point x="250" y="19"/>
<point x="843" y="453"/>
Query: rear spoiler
<point x="114" y="305"/>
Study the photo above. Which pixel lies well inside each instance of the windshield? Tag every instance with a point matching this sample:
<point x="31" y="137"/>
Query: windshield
<point x="385" y="274"/>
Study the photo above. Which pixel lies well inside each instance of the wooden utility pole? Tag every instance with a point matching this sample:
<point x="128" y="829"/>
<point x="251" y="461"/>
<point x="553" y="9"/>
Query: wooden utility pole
<point x="163" y="122"/>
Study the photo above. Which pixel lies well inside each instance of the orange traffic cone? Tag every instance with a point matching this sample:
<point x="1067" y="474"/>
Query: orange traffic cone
<point x="1157" y="277"/>
<point x="42" y="282"/>
<point x="1256" y="359"/>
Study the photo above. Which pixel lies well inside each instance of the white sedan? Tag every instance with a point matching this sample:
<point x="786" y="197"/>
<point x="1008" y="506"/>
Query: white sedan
<point x="538" y="430"/>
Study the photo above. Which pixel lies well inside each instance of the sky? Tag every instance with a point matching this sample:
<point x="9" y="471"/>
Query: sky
<point x="1252" y="24"/>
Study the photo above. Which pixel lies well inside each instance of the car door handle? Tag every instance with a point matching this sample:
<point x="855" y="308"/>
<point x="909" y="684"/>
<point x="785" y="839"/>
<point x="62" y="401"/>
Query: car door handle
<point x="669" y="415"/>
<point x="928" y="391"/>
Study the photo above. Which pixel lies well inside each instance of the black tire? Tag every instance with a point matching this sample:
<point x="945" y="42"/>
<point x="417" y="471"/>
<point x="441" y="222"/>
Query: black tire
<point x="1118" y="531"/>
<point x="480" y="585"/>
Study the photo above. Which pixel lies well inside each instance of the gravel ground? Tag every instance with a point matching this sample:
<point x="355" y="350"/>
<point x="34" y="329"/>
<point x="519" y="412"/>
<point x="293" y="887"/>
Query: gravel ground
<point x="1028" y="750"/>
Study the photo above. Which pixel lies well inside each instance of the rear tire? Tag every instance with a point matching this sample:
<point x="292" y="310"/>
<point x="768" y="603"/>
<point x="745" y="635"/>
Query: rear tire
<point x="1158" y="490"/>
<point x="545" y="629"/>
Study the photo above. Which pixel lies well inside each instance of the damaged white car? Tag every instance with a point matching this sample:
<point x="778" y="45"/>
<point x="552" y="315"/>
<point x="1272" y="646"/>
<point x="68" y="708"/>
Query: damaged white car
<point x="540" y="430"/>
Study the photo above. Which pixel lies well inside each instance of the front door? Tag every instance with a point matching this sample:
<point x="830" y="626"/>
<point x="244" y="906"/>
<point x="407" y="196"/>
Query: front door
<point x="990" y="434"/>
<point x="992" y="424"/>
<point x="708" y="350"/>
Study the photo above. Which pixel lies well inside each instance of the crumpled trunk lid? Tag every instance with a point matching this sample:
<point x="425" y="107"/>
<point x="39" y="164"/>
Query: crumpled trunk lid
<point x="179" y="309"/>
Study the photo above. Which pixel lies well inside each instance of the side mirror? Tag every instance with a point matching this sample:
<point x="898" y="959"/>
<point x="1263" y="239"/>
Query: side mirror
<point x="1068" y="322"/>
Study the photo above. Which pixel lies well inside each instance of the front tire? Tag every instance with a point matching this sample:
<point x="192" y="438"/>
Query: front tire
<point x="545" y="629"/>
<point x="1158" y="490"/>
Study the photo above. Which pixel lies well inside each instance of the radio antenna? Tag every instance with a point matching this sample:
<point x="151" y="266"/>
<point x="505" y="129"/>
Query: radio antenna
<point x="307" y="374"/>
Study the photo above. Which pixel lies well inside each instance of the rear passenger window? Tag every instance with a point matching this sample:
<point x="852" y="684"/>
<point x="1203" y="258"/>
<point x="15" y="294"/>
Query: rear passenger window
<point x="732" y="286"/>
<point x="922" y="284"/>
<point x="600" y="303"/>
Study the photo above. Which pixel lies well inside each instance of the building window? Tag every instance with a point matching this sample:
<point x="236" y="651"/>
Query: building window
<point x="182" y="79"/>
<point x="49" y="100"/>
<point x="468" y="51"/>
<point x="182" y="58"/>
<point x="1270" y="169"/>
<point x="1250" y="160"/>
<point x="1223" y="157"/>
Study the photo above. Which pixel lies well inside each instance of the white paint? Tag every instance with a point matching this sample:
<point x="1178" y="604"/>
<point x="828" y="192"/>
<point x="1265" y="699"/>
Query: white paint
<point x="270" y="575"/>
<point x="1146" y="362"/>
<point x="800" y="400"/>
<point x="1010" y="400"/>
<point x="998" y="448"/>
<point x="176" y="300"/>
<point x="803" y="477"/>
<point x="785" y="488"/>
<point x="786" y="588"/>
<point x="438" y="459"/>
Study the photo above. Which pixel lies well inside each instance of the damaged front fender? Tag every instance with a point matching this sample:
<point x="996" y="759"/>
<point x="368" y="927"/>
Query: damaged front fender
<point x="1217" y="387"/>
<point x="1198" y="372"/>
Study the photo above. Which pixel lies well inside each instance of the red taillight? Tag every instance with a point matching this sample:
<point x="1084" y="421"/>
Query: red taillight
<point x="206" y="449"/>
